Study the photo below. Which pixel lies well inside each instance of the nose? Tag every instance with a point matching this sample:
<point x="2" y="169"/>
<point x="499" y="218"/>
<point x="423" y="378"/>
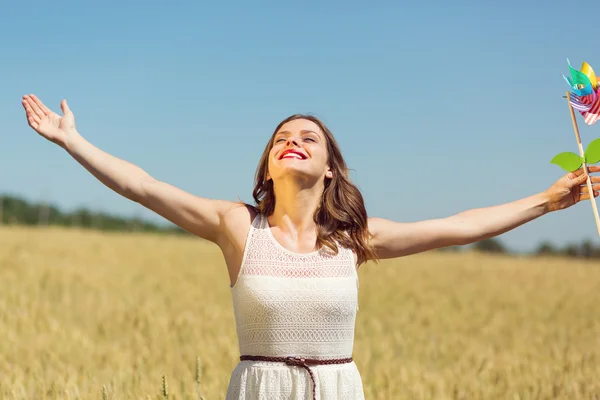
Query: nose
<point x="292" y="141"/>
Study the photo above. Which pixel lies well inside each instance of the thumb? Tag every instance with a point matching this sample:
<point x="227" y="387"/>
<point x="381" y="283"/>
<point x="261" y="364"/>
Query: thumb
<point x="578" y="180"/>
<point x="65" y="107"/>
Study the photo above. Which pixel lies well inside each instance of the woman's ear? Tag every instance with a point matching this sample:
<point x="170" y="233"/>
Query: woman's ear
<point x="329" y="173"/>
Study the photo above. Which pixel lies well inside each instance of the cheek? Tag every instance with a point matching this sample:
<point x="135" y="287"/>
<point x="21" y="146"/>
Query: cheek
<point x="273" y="151"/>
<point x="270" y="159"/>
<point x="321" y="154"/>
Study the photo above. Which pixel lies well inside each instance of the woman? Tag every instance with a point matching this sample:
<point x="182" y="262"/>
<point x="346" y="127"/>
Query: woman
<point x="293" y="257"/>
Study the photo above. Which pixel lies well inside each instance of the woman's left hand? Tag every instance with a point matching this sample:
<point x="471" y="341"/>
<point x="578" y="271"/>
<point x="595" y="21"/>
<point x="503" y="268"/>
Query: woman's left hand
<point x="571" y="188"/>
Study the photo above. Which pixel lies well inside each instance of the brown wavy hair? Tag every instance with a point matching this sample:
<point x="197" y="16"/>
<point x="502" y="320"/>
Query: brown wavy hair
<point x="341" y="216"/>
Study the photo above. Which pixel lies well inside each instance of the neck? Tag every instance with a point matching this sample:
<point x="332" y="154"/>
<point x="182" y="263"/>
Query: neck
<point x="295" y="207"/>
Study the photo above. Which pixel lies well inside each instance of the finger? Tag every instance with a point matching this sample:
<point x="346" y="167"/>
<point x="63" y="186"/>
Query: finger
<point x="579" y="179"/>
<point x="576" y="173"/>
<point x="39" y="103"/>
<point x="584" y="189"/>
<point x="592" y="178"/>
<point x="586" y="196"/>
<point x="590" y="169"/>
<point x="32" y="122"/>
<point x="30" y="113"/>
<point x="35" y="107"/>
<point x="65" y="107"/>
<point x="593" y="168"/>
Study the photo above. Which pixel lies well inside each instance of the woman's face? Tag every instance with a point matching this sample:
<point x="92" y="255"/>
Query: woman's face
<point x="299" y="149"/>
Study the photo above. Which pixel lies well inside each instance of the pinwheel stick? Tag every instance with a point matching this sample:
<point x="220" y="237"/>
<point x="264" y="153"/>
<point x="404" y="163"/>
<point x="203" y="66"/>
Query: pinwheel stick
<point x="584" y="165"/>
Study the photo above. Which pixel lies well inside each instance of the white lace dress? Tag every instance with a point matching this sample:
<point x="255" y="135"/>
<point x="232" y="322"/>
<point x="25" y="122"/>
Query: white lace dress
<point x="290" y="304"/>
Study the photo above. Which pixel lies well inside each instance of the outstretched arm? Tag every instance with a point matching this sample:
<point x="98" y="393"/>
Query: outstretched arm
<point x="394" y="239"/>
<point x="197" y="215"/>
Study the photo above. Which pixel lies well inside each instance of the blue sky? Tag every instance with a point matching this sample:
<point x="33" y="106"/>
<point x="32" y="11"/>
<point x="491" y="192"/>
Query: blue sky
<point x="438" y="106"/>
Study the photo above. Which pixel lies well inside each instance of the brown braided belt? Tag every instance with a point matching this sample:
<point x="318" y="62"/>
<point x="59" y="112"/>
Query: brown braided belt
<point x="299" y="362"/>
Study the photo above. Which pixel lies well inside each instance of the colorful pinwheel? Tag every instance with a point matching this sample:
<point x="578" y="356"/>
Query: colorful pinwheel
<point x="585" y="98"/>
<point x="586" y="92"/>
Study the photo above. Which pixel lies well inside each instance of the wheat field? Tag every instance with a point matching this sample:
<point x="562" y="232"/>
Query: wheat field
<point x="92" y="315"/>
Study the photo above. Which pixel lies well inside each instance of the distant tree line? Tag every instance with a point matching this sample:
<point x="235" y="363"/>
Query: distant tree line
<point x="585" y="249"/>
<point x="18" y="211"/>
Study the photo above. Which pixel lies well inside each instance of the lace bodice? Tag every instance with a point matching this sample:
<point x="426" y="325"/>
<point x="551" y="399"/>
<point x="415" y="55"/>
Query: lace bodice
<point x="291" y="304"/>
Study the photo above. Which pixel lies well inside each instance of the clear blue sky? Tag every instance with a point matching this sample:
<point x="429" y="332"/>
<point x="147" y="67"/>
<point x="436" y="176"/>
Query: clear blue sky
<point x="438" y="106"/>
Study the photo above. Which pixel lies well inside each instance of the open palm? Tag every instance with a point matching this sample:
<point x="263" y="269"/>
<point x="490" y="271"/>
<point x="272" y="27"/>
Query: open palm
<point x="47" y="123"/>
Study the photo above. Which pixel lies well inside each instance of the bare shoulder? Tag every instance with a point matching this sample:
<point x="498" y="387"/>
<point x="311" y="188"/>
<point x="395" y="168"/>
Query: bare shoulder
<point x="237" y="218"/>
<point x="236" y="222"/>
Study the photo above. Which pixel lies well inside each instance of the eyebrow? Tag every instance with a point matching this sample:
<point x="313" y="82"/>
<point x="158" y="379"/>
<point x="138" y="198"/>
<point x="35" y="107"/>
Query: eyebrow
<point x="303" y="131"/>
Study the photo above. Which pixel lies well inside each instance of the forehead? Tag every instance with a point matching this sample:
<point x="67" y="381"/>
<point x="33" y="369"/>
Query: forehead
<point x="299" y="125"/>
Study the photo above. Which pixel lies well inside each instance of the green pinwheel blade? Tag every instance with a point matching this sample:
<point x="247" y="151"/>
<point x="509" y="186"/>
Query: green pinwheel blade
<point x="592" y="153"/>
<point x="568" y="161"/>
<point x="579" y="78"/>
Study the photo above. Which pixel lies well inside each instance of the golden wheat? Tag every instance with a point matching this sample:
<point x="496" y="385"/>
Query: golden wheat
<point x="94" y="315"/>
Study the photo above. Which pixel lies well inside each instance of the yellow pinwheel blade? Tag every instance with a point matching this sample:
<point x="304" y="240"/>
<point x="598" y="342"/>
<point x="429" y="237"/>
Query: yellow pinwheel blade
<point x="589" y="72"/>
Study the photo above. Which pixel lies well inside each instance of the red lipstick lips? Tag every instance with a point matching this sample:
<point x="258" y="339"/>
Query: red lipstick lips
<point x="289" y="153"/>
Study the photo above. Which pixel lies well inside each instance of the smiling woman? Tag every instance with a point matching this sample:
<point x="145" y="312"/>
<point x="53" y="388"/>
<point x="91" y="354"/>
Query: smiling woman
<point x="303" y="161"/>
<point x="292" y="257"/>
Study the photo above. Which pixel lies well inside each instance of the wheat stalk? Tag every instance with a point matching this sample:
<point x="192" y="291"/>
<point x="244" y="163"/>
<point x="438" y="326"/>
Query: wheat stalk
<point x="165" y="391"/>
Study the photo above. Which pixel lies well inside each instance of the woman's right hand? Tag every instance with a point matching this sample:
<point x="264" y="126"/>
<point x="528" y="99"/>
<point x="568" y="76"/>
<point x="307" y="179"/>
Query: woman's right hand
<point x="47" y="123"/>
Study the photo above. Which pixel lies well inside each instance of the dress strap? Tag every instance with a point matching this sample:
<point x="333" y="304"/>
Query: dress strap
<point x="261" y="221"/>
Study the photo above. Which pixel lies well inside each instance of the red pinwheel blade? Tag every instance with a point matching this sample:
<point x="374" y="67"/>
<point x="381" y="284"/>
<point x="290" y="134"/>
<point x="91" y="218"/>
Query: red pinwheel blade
<point x="593" y="115"/>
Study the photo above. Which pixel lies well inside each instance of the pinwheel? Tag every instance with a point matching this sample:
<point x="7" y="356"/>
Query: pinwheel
<point x="586" y="92"/>
<point x="584" y="97"/>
